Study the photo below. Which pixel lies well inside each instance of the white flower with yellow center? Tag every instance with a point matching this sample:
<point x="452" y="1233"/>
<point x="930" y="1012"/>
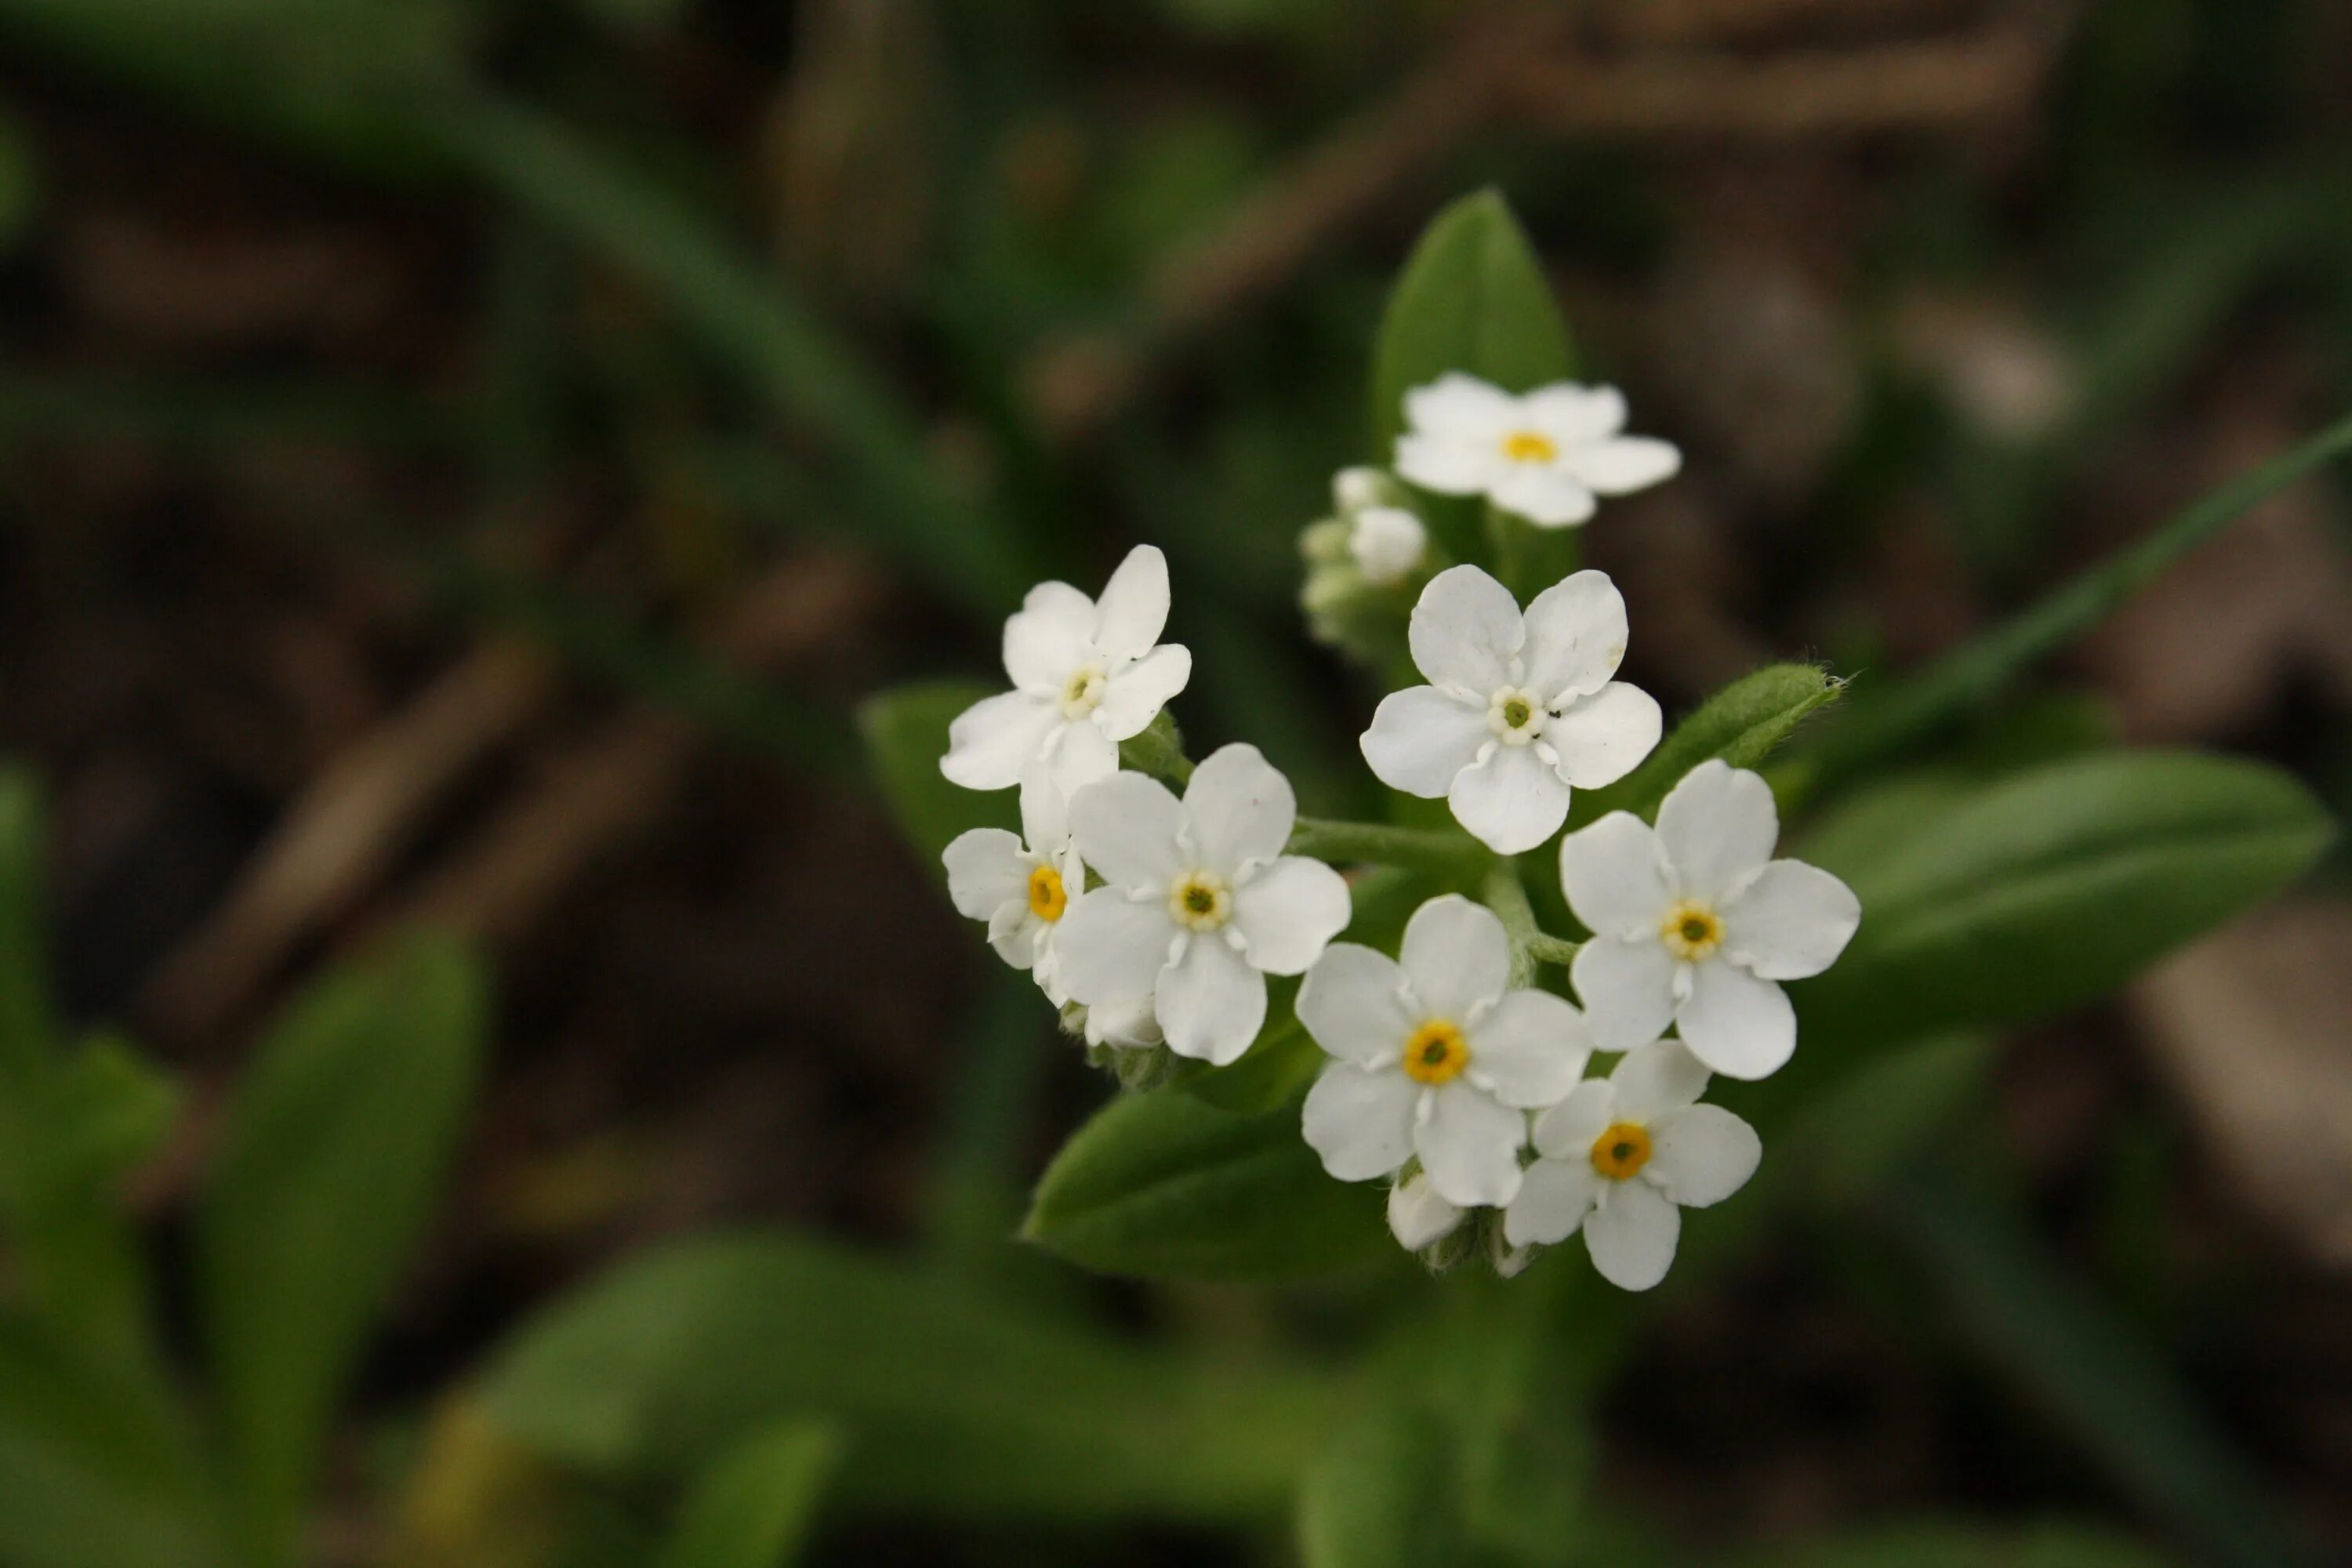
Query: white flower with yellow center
<point x="1693" y="922"/>
<point x="1200" y="903"/>
<point x="1543" y="455"/>
<point x="1435" y="1056"/>
<point x="1087" y="674"/>
<point x="1021" y="884"/>
<point x="1520" y="709"/>
<point x="1621" y="1158"/>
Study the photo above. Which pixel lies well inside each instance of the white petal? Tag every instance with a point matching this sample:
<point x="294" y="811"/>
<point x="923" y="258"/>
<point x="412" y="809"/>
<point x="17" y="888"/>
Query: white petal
<point x="1470" y="1146"/>
<point x="1420" y="737"/>
<point x="1133" y="609"/>
<point x="1462" y="406"/>
<point x="1615" y="876"/>
<point x="1349" y="1003"/>
<point x="1657" y="1079"/>
<point x="1575" y="415"/>
<point x="1241" y="808"/>
<point x="1078" y="753"/>
<point x="1448" y="465"/>
<point x="1546" y="496"/>
<point x="1356" y="488"/>
<point x="1211" y="1004"/>
<point x="1702" y="1154"/>
<point x="1048" y="638"/>
<point x="1044" y="811"/>
<point x="1792" y="920"/>
<point x="1511" y="802"/>
<point x="1108" y="949"/>
<point x="1012" y="932"/>
<point x="1455" y="956"/>
<point x="1360" y="1122"/>
<point x="1418" y="1217"/>
<point x="1717" y="825"/>
<point x="987" y="869"/>
<point x="1554" y="1197"/>
<point x="1627" y="989"/>
<point x="1631" y="1236"/>
<point x="1622" y="464"/>
<point x="1134" y="696"/>
<point x="1601" y="738"/>
<point x="1127" y="1023"/>
<point x="1126" y="827"/>
<point x="1465" y="627"/>
<point x="1387" y="542"/>
<point x="1531" y="1049"/>
<point x="1566" y="1131"/>
<point x="1737" y="1025"/>
<point x="1288" y="912"/>
<point x="992" y="740"/>
<point x="1576" y="635"/>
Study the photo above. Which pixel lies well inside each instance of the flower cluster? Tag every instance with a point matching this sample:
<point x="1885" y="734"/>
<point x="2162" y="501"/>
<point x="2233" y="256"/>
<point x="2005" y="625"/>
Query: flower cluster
<point x="1153" y="920"/>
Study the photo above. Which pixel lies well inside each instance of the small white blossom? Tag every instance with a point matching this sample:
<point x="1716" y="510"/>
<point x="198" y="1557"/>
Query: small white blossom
<point x="1021" y="885"/>
<point x="1695" y="922"/>
<point x="1519" y="710"/>
<point x="1087" y="674"/>
<point x="1353" y="489"/>
<point x="1418" y="1217"/>
<point x="1622" y="1157"/>
<point x="1200" y="903"/>
<point x="1127" y="1024"/>
<point x="1388" y="544"/>
<point x="1435" y="1056"/>
<point x="1544" y="456"/>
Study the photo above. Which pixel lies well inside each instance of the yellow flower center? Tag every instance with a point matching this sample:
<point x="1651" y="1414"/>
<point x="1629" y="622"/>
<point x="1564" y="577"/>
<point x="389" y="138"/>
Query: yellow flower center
<point x="1691" y="930"/>
<point x="1619" y="1153"/>
<point x="1435" y="1053"/>
<point x="1515" y="717"/>
<point x="1047" y="897"/>
<point x="1083" y="692"/>
<point x="1527" y="447"/>
<point x="1200" y="901"/>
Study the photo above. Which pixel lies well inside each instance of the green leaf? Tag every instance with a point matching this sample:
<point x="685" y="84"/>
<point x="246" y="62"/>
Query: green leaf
<point x="1473" y="298"/>
<point x="330" y="1162"/>
<point x="1164" y="1186"/>
<point x="958" y="1401"/>
<point x="1967" y="680"/>
<point x="1385" y="1494"/>
<point x="1743" y="724"/>
<point x="2050" y="888"/>
<point x="905" y="731"/>
<point x="2026" y="1311"/>
<point x="755" y="1507"/>
<point x="95" y="1469"/>
<point x="1275" y="1071"/>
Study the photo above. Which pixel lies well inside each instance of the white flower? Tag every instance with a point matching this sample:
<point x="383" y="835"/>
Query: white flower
<point x="1127" y="1024"/>
<point x="1200" y="904"/>
<point x="1435" y="1056"/>
<point x="1020" y="886"/>
<point x="1418" y="1217"/>
<point x="1693" y="922"/>
<point x="1388" y="544"/>
<point x="1085" y="676"/>
<point x="1519" y="709"/>
<point x="1544" y="456"/>
<point x="1353" y="489"/>
<point x="1621" y="1157"/>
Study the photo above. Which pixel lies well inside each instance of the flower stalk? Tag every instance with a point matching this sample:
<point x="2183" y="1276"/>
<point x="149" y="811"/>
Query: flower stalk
<point x="1438" y="849"/>
<point x="1503" y="894"/>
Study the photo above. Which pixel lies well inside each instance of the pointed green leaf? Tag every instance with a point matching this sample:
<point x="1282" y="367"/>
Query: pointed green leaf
<point x="958" y="1400"/>
<point x="1165" y="1185"/>
<point x="755" y="1507"/>
<point x="329" y="1165"/>
<point x="1743" y="724"/>
<point x="905" y="731"/>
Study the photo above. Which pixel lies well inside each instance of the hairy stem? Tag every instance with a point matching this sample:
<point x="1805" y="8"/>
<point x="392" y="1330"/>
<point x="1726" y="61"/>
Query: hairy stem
<point x="1545" y="948"/>
<point x="1508" y="896"/>
<point x="1422" y="848"/>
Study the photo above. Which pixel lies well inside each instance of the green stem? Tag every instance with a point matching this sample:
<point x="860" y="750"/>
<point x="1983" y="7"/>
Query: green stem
<point x="1160" y="751"/>
<point x="1545" y="948"/>
<point x="1422" y="848"/>
<point x="1508" y="896"/>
